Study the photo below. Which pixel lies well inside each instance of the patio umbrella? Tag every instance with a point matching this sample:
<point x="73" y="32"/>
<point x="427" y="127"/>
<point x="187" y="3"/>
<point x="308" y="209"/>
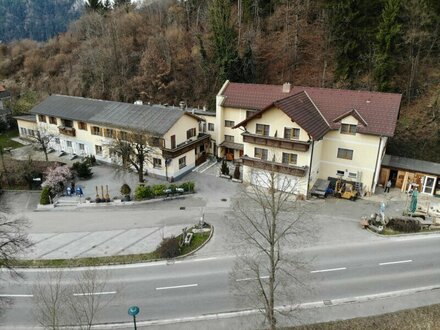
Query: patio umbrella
<point x="413" y="204"/>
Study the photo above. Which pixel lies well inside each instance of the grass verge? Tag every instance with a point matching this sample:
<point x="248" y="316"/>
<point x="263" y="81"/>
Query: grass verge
<point x="197" y="241"/>
<point x="427" y="317"/>
<point x="6" y="142"/>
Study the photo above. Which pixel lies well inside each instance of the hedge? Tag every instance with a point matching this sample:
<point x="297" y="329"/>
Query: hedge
<point x="157" y="190"/>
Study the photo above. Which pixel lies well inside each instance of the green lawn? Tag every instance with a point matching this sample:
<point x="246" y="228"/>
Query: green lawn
<point x="6" y="142"/>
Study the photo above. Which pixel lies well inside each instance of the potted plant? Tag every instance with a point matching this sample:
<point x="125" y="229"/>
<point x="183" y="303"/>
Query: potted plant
<point x="125" y="191"/>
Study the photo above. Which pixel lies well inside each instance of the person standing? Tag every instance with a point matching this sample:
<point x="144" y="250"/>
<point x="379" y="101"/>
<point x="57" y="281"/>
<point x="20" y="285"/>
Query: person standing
<point x="388" y="186"/>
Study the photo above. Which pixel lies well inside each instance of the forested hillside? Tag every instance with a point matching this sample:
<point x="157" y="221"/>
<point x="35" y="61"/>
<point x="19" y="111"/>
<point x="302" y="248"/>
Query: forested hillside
<point x="36" y="19"/>
<point x="176" y="51"/>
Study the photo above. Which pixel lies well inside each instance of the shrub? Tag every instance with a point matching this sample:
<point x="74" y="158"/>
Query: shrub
<point x="3" y="126"/>
<point x="90" y="160"/>
<point x="237" y="172"/>
<point x="82" y="169"/>
<point x="125" y="189"/>
<point x="168" y="248"/>
<point x="404" y="225"/>
<point x="188" y="186"/>
<point x="158" y="189"/>
<point x="45" y="196"/>
<point x="224" y="169"/>
<point x="172" y="187"/>
<point x="143" y="192"/>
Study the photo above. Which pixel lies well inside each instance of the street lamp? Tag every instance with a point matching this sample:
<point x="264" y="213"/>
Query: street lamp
<point x="133" y="311"/>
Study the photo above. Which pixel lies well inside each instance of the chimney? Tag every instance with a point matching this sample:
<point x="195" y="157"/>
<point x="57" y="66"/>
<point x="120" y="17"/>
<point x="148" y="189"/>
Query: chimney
<point x="138" y="102"/>
<point x="182" y="105"/>
<point x="286" y="87"/>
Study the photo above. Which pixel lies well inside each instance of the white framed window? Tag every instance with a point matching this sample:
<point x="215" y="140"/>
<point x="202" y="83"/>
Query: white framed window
<point x="57" y="140"/>
<point x="229" y="123"/>
<point x="182" y="162"/>
<point x="69" y="144"/>
<point x="96" y="130"/>
<point x="290" y="159"/>
<point x="262" y="129"/>
<point x="190" y="133"/>
<point x="229" y="138"/>
<point x="23" y="131"/>
<point x="157" y="162"/>
<point x="98" y="150"/>
<point x="211" y="127"/>
<point x="345" y="153"/>
<point x="291" y="133"/>
<point x="348" y="129"/>
<point x="260" y="153"/>
<point x="81" y="146"/>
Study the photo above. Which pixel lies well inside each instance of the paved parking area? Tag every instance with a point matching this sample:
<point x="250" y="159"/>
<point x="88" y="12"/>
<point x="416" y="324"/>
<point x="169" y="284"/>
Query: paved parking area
<point x="98" y="244"/>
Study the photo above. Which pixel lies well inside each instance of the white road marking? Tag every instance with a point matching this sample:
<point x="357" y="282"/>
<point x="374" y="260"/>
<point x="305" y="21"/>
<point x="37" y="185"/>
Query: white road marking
<point x="16" y="295"/>
<point x="94" y="293"/>
<point x="177" y="286"/>
<point x="251" y="278"/>
<point x="328" y="270"/>
<point x="395" y="262"/>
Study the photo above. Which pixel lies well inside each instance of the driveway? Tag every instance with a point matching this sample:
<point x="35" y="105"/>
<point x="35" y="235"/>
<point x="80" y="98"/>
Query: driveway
<point x="113" y="230"/>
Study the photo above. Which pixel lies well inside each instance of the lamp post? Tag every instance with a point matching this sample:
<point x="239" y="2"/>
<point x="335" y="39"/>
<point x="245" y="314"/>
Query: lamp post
<point x="133" y="311"/>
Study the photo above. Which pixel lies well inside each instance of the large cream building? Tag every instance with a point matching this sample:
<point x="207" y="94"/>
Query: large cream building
<point x="306" y="133"/>
<point x="82" y="126"/>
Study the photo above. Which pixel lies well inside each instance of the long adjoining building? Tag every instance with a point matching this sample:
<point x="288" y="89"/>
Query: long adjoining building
<point x="303" y="133"/>
<point x="83" y="126"/>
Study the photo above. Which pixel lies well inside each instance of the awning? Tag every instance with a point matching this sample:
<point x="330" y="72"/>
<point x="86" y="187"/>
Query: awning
<point x="231" y="145"/>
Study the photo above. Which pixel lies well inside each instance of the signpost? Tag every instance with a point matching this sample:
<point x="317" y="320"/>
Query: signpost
<point x="133" y="311"/>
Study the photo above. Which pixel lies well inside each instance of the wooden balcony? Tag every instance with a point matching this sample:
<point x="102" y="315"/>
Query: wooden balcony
<point x="70" y="131"/>
<point x="274" y="166"/>
<point x="274" y="142"/>
<point x="186" y="146"/>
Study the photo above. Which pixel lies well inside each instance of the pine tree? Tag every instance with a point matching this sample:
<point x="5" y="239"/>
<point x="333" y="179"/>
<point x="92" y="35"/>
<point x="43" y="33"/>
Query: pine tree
<point x="387" y="45"/>
<point x="224" y="41"/>
<point x="94" y="5"/>
<point x="248" y="65"/>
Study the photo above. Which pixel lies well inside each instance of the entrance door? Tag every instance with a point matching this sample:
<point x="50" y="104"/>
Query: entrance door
<point x="428" y="185"/>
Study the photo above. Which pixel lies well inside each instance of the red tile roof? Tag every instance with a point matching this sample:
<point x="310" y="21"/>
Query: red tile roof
<point x="379" y="110"/>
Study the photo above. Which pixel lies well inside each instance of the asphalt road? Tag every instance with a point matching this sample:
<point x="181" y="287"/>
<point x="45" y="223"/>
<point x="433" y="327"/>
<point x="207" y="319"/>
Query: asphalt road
<point x="201" y="287"/>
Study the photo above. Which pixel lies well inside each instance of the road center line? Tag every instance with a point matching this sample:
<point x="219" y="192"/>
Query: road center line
<point x="177" y="286"/>
<point x="94" y="293"/>
<point x="395" y="262"/>
<point x="328" y="270"/>
<point x="251" y="278"/>
<point x="16" y="295"/>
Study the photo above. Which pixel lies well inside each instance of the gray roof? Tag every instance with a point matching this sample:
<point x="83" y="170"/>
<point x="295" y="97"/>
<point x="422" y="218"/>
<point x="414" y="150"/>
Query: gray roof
<point x="153" y="119"/>
<point x="409" y="164"/>
<point x="26" y="118"/>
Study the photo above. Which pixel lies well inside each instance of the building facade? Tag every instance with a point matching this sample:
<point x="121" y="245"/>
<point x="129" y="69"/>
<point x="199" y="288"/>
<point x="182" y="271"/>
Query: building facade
<point x="82" y="127"/>
<point x="306" y="133"/>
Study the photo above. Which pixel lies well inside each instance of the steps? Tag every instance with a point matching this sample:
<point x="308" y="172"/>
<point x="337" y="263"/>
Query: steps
<point x="66" y="201"/>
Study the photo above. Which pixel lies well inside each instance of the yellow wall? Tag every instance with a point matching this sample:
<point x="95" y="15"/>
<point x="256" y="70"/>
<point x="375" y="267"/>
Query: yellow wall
<point x="179" y="130"/>
<point x="365" y="151"/>
<point x="27" y="125"/>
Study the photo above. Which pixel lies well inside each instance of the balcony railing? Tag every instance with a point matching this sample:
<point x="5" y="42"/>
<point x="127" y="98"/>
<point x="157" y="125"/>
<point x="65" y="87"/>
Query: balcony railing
<point x="70" y="131"/>
<point x="186" y="146"/>
<point x="274" y="142"/>
<point x="275" y="167"/>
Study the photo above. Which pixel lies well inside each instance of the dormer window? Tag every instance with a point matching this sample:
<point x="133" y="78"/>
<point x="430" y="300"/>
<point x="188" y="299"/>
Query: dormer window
<point x="348" y="129"/>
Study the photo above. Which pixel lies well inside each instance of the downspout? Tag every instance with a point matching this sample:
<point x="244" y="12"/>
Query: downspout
<point x="310" y="168"/>
<point x="375" y="167"/>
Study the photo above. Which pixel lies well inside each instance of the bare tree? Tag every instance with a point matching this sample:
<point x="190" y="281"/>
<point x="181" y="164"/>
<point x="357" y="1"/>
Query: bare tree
<point x="136" y="150"/>
<point x="42" y="140"/>
<point x="13" y="239"/>
<point x="60" y="301"/>
<point x="268" y="221"/>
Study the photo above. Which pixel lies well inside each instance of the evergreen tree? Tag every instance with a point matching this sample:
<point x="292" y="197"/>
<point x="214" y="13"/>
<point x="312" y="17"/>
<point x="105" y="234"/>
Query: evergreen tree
<point x="387" y="44"/>
<point x="120" y="3"/>
<point x="248" y="65"/>
<point x="224" y="41"/>
<point x="94" y="5"/>
<point x="353" y="27"/>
